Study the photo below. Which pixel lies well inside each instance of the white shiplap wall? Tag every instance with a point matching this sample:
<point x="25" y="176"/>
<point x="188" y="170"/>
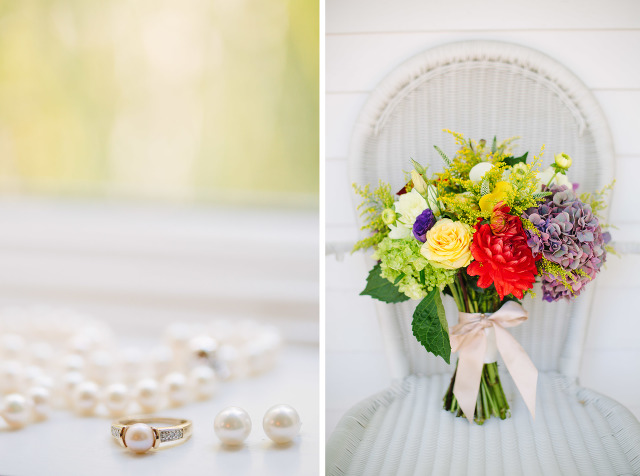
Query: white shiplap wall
<point x="365" y="40"/>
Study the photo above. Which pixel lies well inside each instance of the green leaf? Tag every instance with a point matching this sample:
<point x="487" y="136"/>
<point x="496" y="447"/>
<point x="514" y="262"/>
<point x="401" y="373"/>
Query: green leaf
<point x="419" y="168"/>
<point x="494" y="145"/>
<point x="511" y="161"/>
<point x="446" y="159"/>
<point x="422" y="277"/>
<point x="430" y="326"/>
<point x="540" y="195"/>
<point x="399" y="278"/>
<point x="381" y="289"/>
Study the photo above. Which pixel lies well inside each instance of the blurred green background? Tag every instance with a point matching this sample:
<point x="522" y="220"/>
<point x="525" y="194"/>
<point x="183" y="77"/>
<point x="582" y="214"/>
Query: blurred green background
<point x="179" y="100"/>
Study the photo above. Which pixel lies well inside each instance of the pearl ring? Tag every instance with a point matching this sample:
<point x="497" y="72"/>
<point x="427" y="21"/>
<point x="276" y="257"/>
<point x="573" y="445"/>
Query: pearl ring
<point x="145" y="433"/>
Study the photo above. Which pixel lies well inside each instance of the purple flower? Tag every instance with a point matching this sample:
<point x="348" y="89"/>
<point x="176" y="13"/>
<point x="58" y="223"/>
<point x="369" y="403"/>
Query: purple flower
<point x="570" y="236"/>
<point x="423" y="224"/>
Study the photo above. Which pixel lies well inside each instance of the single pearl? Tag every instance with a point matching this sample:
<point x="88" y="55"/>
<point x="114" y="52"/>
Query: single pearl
<point x="86" y="397"/>
<point x="117" y="398"/>
<point x="203" y="381"/>
<point x="15" y="410"/>
<point x="281" y="423"/>
<point x="41" y="402"/>
<point x="232" y="425"/>
<point x="12" y="377"/>
<point x="175" y="386"/>
<point x="139" y="438"/>
<point x="148" y="395"/>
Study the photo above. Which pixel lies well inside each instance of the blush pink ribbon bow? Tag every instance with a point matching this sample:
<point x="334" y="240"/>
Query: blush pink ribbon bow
<point x="468" y="337"/>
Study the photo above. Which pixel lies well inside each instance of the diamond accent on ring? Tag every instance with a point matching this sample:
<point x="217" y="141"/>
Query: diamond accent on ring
<point x="115" y="431"/>
<point x="170" y="435"/>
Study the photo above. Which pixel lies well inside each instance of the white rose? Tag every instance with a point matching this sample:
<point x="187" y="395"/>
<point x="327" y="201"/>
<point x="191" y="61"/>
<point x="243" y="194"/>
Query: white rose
<point x="559" y="179"/>
<point x="478" y="171"/>
<point x="409" y="206"/>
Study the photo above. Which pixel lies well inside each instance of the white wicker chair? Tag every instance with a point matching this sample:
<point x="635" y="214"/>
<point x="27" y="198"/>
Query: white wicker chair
<point x="483" y="88"/>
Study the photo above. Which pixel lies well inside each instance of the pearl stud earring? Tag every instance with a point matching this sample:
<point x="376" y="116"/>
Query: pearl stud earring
<point x="281" y="423"/>
<point x="232" y="425"/>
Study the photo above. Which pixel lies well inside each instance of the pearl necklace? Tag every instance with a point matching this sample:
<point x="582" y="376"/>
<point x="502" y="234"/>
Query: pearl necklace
<point x="60" y="359"/>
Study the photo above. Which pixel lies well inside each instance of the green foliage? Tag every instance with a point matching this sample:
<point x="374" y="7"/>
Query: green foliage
<point x="540" y="195"/>
<point x="402" y="263"/>
<point x="418" y="167"/>
<point x="381" y="289"/>
<point x="371" y="209"/>
<point x="446" y="159"/>
<point x="430" y="327"/>
<point x="597" y="199"/>
<point x="511" y="161"/>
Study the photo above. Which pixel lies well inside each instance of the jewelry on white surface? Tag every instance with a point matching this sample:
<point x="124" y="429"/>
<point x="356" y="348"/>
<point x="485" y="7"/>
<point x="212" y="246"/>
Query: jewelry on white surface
<point x="141" y="434"/>
<point x="281" y="423"/>
<point x="55" y="359"/>
<point x="232" y="425"/>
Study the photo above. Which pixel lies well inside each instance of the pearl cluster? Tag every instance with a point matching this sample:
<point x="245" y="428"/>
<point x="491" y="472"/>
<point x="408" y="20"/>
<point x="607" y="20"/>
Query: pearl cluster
<point x="60" y="359"/>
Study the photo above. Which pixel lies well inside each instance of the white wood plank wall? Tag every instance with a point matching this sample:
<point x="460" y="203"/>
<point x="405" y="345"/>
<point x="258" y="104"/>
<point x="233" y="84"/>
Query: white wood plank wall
<point x="599" y="41"/>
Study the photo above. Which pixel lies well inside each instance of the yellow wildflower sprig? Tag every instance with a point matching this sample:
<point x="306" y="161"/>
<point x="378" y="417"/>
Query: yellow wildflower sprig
<point x="565" y="276"/>
<point x="373" y="205"/>
<point x="597" y="199"/>
<point x="525" y="193"/>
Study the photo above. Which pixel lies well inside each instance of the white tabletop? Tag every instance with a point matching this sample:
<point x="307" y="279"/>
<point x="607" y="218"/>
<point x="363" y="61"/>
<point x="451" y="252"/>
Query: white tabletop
<point x="69" y="445"/>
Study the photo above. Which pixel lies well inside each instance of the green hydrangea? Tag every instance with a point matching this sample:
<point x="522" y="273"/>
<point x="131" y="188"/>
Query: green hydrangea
<point x="401" y="259"/>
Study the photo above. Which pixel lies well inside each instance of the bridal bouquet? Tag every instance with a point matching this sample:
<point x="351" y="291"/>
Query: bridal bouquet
<point x="482" y="231"/>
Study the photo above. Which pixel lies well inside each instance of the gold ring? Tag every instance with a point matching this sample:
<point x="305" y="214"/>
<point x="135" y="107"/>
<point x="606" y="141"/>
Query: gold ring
<point x="141" y="434"/>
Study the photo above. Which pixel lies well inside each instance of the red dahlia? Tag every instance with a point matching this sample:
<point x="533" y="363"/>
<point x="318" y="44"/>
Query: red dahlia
<point x="504" y="224"/>
<point x="503" y="259"/>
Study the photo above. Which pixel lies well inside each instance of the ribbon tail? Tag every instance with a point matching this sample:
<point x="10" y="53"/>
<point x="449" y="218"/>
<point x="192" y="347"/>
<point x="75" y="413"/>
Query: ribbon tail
<point x="520" y="366"/>
<point x="469" y="372"/>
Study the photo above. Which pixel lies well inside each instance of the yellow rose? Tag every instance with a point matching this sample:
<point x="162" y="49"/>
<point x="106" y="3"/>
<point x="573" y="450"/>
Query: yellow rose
<point x="447" y="244"/>
<point x="499" y="194"/>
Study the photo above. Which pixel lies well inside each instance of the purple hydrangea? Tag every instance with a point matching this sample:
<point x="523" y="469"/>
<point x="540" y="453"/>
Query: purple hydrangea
<point x="423" y="224"/>
<point x="570" y="236"/>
